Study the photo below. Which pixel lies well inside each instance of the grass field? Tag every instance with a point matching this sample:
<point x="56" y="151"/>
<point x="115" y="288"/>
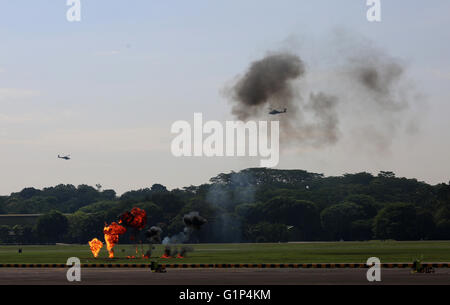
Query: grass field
<point x="327" y="252"/>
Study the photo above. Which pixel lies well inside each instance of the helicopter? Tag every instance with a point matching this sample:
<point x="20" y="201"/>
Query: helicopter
<point x="275" y="111"/>
<point x="64" y="157"/>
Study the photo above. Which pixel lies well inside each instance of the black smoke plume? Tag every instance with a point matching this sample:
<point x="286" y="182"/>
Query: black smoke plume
<point x="271" y="83"/>
<point x="366" y="83"/>
<point x="380" y="77"/>
<point x="266" y="83"/>
<point x="154" y="235"/>
<point x="194" y="221"/>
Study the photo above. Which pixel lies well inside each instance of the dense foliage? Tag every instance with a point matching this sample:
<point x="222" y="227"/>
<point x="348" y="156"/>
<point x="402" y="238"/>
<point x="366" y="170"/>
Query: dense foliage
<point x="254" y="205"/>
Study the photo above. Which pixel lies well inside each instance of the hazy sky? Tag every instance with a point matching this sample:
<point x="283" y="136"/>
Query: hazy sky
<point x="107" y="89"/>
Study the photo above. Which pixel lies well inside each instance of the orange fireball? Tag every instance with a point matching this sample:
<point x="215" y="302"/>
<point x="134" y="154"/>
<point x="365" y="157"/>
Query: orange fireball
<point x="137" y="218"/>
<point x="112" y="233"/>
<point x="96" y="245"/>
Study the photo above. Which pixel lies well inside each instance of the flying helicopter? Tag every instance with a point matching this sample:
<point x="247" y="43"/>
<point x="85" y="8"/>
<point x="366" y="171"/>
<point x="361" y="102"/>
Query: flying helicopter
<point x="64" y="157"/>
<point x="275" y="111"/>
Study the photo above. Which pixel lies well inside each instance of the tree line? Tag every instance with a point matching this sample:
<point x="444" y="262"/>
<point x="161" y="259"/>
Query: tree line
<point x="253" y="205"/>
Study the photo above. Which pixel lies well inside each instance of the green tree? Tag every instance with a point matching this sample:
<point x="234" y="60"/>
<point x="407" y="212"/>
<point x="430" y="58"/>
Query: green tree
<point x="18" y="231"/>
<point x="399" y="221"/>
<point x="4" y="233"/>
<point x="158" y="188"/>
<point x="302" y="214"/>
<point x="337" y="219"/>
<point x="29" y="192"/>
<point x="52" y="227"/>
<point x="84" y="227"/>
<point x="2" y="205"/>
<point x="362" y="229"/>
<point x="366" y="202"/>
<point x="443" y="222"/>
<point x="108" y="195"/>
<point x="267" y="232"/>
<point x="154" y="212"/>
<point x="28" y="235"/>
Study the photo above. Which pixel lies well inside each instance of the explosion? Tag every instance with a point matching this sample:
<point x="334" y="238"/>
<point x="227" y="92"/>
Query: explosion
<point x="95" y="245"/>
<point x="112" y="233"/>
<point x="137" y="218"/>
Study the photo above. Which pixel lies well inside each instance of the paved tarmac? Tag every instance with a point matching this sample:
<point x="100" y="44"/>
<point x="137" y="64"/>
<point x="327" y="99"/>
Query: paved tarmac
<point x="99" y="276"/>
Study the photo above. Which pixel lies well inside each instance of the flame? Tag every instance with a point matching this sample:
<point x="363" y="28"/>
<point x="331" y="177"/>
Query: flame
<point x="134" y="257"/>
<point x="167" y="252"/>
<point x="95" y="245"/>
<point x="112" y="233"/>
<point x="180" y="256"/>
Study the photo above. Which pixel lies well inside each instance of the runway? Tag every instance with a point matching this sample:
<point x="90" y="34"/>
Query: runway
<point x="101" y="276"/>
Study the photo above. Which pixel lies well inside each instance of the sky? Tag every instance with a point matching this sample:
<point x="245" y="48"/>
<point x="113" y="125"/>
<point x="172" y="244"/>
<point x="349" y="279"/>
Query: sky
<point x="107" y="89"/>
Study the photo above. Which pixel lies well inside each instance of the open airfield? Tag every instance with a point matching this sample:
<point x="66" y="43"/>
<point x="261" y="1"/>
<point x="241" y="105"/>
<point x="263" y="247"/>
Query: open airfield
<point x="315" y="252"/>
<point x="308" y="252"/>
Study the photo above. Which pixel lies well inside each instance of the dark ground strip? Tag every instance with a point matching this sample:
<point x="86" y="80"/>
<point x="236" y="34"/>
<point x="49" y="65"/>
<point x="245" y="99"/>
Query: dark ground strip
<point x="259" y="266"/>
<point x="244" y="276"/>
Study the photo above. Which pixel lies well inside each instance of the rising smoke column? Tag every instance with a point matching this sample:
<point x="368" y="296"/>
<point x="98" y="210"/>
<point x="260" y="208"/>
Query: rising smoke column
<point x="153" y="235"/>
<point x="167" y="252"/>
<point x="183" y="251"/>
<point x="193" y="222"/>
